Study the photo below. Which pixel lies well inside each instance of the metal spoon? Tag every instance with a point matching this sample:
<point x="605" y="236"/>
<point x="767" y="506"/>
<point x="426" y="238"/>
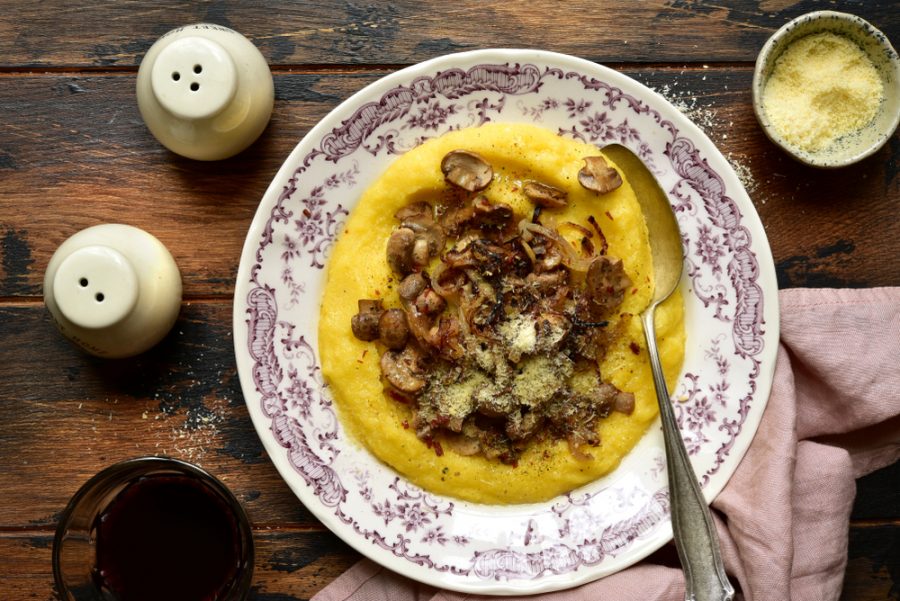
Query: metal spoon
<point x="695" y="534"/>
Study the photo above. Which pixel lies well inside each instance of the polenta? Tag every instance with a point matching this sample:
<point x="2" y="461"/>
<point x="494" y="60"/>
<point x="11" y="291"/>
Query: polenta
<point x="360" y="269"/>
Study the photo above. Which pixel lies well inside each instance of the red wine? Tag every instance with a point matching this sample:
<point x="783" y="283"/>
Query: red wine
<point x="167" y="537"/>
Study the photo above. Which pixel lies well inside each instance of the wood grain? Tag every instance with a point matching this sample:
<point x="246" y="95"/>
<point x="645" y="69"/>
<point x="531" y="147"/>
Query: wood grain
<point x="873" y="564"/>
<point x="78" y="154"/>
<point x="117" y="34"/>
<point x="182" y="399"/>
<point x="292" y="565"/>
<point x="289" y="565"/>
<point x="74" y="152"/>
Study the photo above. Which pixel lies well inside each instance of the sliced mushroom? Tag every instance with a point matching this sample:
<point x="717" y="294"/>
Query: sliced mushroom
<point x="545" y="195"/>
<point x="365" y="323"/>
<point x="459" y="259"/>
<point x="605" y="283"/>
<point x="550" y="259"/>
<point x="467" y="170"/>
<point x="420" y="252"/>
<point x="412" y="285"/>
<point x="604" y="394"/>
<point x="399" y="250"/>
<point x="417" y="240"/>
<point x="402" y="370"/>
<point x="430" y="302"/>
<point x="520" y="426"/>
<point x="416" y="212"/>
<point x="463" y="445"/>
<point x="624" y="403"/>
<point x="490" y="214"/>
<point x="456" y="218"/>
<point x="429" y="237"/>
<point x="420" y="325"/>
<point x="598" y="176"/>
<point x="393" y="329"/>
<point x="547" y="280"/>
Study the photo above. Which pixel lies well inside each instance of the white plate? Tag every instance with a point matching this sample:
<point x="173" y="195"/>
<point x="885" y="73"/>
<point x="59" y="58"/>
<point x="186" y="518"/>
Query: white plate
<point x="731" y="308"/>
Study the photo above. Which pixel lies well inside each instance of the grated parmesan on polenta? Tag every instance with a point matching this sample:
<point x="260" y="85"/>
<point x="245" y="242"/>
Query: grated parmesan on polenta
<point x="358" y="268"/>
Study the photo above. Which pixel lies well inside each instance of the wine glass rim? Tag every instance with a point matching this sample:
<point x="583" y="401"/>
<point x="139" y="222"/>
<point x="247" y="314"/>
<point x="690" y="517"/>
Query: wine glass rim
<point x="106" y="480"/>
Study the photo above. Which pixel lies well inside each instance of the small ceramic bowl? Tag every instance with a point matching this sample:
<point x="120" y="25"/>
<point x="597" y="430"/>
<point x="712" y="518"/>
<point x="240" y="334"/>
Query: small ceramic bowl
<point x="874" y="43"/>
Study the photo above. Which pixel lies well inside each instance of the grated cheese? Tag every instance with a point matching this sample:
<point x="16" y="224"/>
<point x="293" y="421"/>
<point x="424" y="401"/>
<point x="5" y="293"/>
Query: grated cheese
<point x="519" y="334"/>
<point x="539" y="378"/>
<point x="823" y="87"/>
<point x="459" y="397"/>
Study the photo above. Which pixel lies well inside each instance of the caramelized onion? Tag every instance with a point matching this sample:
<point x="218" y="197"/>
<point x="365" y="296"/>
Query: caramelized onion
<point x="570" y="256"/>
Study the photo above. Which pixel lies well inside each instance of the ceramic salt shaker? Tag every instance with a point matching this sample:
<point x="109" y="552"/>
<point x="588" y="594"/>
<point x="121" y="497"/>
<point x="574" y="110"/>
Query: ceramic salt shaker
<point x="113" y="289"/>
<point x="205" y="91"/>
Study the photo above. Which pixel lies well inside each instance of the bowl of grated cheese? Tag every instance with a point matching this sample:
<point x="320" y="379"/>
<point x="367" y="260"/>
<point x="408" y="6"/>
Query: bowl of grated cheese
<point x="826" y="89"/>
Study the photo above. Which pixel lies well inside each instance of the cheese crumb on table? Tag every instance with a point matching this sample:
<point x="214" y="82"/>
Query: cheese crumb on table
<point x="823" y="87"/>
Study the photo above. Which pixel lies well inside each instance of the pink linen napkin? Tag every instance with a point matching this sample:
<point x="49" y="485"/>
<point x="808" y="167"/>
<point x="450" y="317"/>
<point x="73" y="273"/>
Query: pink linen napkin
<point x="833" y="416"/>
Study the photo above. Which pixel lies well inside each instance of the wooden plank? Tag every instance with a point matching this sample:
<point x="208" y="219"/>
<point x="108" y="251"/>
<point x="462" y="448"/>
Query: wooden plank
<point x="289" y="566"/>
<point x="294" y="565"/>
<point x="73" y="152"/>
<point x="114" y="34"/>
<point x="873" y="566"/>
<point x="181" y="399"/>
<point x="878" y="495"/>
<point x="78" y="154"/>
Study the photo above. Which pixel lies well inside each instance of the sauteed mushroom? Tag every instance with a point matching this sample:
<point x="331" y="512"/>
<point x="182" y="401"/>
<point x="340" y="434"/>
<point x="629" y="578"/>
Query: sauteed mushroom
<point x="400" y="250"/>
<point x="467" y="170"/>
<point x="483" y="346"/>
<point x="624" y="402"/>
<point x="606" y="282"/>
<point x="598" y="176"/>
<point x="411" y="286"/>
<point x="491" y="214"/>
<point x="402" y="370"/>
<point x="393" y="329"/>
<point x="430" y="303"/>
<point x="365" y="323"/>
<point x="545" y="195"/>
<point x="416" y="212"/>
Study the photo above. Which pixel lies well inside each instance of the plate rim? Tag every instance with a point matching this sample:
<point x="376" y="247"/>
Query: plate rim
<point x="375" y="89"/>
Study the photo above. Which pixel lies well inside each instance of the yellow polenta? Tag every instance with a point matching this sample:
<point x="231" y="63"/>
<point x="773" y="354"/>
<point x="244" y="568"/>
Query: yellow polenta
<point x="358" y="269"/>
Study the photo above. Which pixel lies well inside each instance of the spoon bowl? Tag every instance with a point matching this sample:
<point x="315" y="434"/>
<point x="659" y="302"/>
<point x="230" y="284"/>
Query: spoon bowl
<point x="692" y="525"/>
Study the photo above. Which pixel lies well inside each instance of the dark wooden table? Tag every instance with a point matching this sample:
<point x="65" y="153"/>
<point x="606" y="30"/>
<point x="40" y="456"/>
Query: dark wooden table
<point x="74" y="152"/>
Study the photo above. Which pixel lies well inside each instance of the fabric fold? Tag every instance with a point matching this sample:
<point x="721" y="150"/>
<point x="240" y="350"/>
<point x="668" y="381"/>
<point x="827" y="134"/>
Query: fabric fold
<point x="833" y="415"/>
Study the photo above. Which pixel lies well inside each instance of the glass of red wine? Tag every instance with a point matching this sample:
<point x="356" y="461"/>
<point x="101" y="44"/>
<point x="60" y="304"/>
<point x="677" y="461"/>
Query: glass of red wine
<point x="153" y="528"/>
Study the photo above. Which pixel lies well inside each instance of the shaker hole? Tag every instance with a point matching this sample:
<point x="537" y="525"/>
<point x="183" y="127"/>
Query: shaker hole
<point x="198" y="69"/>
<point x="83" y="282"/>
<point x="99" y="296"/>
<point x="176" y="76"/>
<point x="195" y="86"/>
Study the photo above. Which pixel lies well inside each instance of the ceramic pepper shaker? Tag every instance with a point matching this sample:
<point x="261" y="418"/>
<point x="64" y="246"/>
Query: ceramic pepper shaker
<point x="112" y="289"/>
<point x="205" y="91"/>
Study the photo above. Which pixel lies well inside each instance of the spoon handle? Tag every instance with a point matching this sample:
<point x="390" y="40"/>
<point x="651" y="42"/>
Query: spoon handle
<point x="692" y="525"/>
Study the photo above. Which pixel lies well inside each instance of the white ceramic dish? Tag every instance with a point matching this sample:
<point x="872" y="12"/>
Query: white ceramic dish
<point x="877" y="47"/>
<point x="731" y="312"/>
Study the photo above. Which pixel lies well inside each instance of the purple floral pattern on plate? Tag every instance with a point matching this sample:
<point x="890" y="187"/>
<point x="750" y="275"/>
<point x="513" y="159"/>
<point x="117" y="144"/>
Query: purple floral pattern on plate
<point x="730" y="316"/>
